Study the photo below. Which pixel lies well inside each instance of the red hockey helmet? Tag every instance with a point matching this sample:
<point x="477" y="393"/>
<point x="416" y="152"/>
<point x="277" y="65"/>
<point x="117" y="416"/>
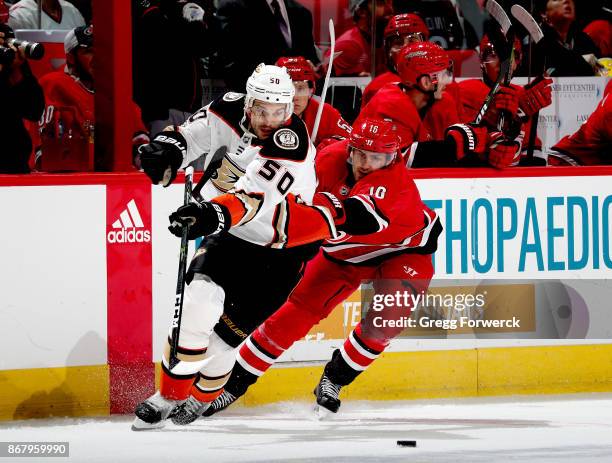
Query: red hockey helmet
<point x="375" y="136"/>
<point x="406" y="24"/>
<point x="423" y="58"/>
<point x="298" y="68"/>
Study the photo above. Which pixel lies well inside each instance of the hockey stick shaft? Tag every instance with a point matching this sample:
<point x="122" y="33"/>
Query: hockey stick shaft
<point x="489" y="98"/>
<point x="332" y="38"/>
<point x="500" y="16"/>
<point x="536" y="35"/>
<point x="180" y="280"/>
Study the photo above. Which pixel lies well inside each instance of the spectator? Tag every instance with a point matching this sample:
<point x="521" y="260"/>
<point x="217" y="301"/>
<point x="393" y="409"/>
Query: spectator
<point x="171" y="63"/>
<point x="354" y="47"/>
<point x="305" y="105"/>
<point x="22" y="98"/>
<point x="69" y="114"/>
<point x="56" y="15"/>
<point x="255" y="31"/>
<point x="401" y="30"/>
<point x="591" y="144"/>
<point x="84" y="7"/>
<point x="565" y="47"/>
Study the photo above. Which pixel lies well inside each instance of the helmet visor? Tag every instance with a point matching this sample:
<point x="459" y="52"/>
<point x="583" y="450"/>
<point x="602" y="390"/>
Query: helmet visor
<point x="371" y="160"/>
<point x="271" y="113"/>
<point x="396" y="42"/>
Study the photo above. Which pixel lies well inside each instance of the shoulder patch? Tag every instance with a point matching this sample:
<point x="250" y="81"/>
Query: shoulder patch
<point x="289" y="142"/>
<point x="232" y="96"/>
<point x="286" y="139"/>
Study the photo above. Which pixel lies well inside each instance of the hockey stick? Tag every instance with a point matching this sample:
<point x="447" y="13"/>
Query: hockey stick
<point x="536" y="34"/>
<point x="332" y="38"/>
<point x="500" y="16"/>
<point x="180" y="280"/>
<point x="497" y="12"/>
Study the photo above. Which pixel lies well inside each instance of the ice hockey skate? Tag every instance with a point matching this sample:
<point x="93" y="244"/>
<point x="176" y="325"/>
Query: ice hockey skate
<point x="153" y="412"/>
<point x="189" y="411"/>
<point x="220" y="403"/>
<point x="327" y="394"/>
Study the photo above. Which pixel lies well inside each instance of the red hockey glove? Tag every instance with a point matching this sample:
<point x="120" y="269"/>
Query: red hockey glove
<point x="532" y="99"/>
<point x="507" y="99"/>
<point x="468" y="139"/>
<point x="503" y="153"/>
<point x="332" y="203"/>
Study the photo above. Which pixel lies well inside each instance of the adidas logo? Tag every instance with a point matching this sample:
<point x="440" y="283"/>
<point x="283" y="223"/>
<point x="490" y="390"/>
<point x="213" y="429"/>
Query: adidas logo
<point x="126" y="228"/>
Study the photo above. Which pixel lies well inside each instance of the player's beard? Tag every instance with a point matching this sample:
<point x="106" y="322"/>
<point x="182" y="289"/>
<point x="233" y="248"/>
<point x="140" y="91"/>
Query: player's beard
<point x="84" y="75"/>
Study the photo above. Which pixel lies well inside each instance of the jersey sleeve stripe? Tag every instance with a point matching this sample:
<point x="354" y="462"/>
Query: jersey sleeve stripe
<point x="370" y="207"/>
<point x="412" y="154"/>
<point x="329" y="220"/>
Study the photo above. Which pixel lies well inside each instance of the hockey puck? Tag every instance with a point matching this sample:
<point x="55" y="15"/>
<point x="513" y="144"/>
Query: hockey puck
<point x="406" y="443"/>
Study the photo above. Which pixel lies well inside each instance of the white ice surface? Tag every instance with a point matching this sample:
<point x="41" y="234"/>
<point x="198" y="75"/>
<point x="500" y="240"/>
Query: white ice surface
<point x="553" y="429"/>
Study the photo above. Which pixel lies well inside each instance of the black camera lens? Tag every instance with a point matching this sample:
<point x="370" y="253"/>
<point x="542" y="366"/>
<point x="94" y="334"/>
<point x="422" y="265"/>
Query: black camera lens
<point x="31" y="50"/>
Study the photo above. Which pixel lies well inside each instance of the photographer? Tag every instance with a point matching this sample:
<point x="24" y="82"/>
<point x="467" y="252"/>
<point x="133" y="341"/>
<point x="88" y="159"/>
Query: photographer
<point x="21" y="97"/>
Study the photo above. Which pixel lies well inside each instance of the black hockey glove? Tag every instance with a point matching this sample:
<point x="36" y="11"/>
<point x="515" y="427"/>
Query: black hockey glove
<point x="203" y="219"/>
<point x="161" y="158"/>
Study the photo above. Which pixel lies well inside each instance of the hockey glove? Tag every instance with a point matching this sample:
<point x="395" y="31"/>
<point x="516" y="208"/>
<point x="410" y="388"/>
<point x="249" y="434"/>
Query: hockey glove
<point x="534" y="98"/>
<point x="503" y="153"/>
<point x="204" y="219"/>
<point x="351" y="215"/>
<point x="507" y="99"/>
<point x="467" y="139"/>
<point x="162" y="158"/>
<point x="332" y="203"/>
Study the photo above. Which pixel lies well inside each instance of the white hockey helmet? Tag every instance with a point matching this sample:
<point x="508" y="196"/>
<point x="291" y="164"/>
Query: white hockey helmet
<point x="271" y="84"/>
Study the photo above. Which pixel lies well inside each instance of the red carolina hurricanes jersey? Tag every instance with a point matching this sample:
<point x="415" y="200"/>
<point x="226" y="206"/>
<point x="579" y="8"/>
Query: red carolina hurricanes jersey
<point x="62" y="92"/>
<point x="377" y="83"/>
<point x="332" y="124"/>
<point x="472" y="93"/>
<point x="592" y="143"/>
<point x="391" y="103"/>
<point x="390" y="195"/>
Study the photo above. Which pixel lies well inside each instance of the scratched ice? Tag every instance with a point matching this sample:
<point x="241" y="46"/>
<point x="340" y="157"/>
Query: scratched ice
<point x="564" y="428"/>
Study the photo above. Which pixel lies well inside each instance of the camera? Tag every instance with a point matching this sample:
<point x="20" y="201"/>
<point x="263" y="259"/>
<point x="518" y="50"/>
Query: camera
<point x="31" y="50"/>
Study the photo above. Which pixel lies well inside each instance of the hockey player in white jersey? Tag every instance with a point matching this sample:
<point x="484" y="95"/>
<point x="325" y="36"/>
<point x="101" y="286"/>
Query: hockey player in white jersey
<point x="259" y="227"/>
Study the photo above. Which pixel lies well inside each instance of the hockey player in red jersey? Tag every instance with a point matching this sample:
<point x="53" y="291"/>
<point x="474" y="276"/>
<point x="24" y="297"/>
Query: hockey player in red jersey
<point x="426" y="116"/>
<point x="417" y="103"/>
<point x="521" y="103"/>
<point x="69" y="95"/>
<point x="362" y="176"/>
<point x="591" y="144"/>
<point x="305" y="105"/>
<point x="401" y="30"/>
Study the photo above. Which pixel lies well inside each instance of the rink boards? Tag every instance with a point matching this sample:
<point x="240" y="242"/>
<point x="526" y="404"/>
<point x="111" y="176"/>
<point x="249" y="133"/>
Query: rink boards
<point x="89" y="273"/>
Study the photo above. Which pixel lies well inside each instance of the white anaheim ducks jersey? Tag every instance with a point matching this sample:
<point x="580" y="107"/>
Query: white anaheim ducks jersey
<point x="260" y="173"/>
